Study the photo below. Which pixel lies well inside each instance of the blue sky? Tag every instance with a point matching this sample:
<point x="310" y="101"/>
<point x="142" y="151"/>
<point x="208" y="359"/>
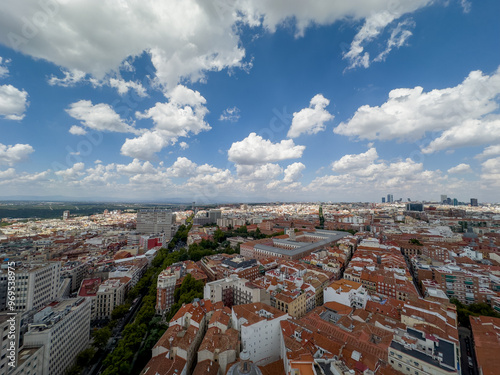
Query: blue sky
<point x="250" y="100"/>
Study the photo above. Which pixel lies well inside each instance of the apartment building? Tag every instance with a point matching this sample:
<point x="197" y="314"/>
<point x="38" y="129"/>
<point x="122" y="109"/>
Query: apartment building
<point x="63" y="328"/>
<point x="156" y="220"/>
<point x="235" y="291"/>
<point x="347" y="293"/>
<point x="110" y="294"/>
<point x="259" y="327"/>
<point x="36" y="285"/>
<point x="413" y="352"/>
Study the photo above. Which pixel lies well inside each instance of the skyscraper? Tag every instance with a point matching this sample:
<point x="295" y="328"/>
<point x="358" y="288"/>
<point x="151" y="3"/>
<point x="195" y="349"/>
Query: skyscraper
<point x="443" y="198"/>
<point x="383" y="199"/>
<point x="473" y="202"/>
<point x="390" y="198"/>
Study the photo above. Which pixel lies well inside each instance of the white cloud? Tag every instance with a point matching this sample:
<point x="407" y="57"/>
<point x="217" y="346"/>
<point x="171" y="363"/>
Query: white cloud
<point x="256" y="150"/>
<point x="72" y="173"/>
<point x="471" y="132"/>
<point x="13" y="102"/>
<point x="183" y="145"/>
<point x="99" y="117"/>
<point x="361" y="174"/>
<point x="123" y="86"/>
<point x="311" y="120"/>
<point x="136" y="168"/>
<point x="294" y="172"/>
<point x="460" y="169"/>
<point x="4" y="71"/>
<point x="489" y="151"/>
<point x="184" y="39"/>
<point x="71" y="78"/>
<point x="230" y="114"/>
<point x="398" y="38"/>
<point x="258" y="172"/>
<point x="490" y="172"/>
<point x="182" y="116"/>
<point x="355" y="161"/>
<point x="10" y="155"/>
<point x="145" y="146"/>
<point x="461" y="112"/>
<point x="182" y="167"/>
<point x="77" y="130"/>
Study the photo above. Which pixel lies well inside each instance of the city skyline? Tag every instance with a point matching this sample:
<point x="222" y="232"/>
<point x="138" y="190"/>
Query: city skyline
<point x="248" y="102"/>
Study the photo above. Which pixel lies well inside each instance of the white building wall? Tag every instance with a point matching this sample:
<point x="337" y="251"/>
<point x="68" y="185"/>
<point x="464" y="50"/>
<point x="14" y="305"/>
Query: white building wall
<point x="262" y="340"/>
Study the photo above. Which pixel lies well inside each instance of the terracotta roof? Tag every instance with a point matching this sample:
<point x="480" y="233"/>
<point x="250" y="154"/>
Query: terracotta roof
<point x="206" y="367"/>
<point x="486" y="333"/>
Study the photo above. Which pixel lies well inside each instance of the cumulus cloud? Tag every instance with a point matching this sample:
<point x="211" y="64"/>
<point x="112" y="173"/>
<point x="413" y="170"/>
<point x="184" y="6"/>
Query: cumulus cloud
<point x="77" y="130"/>
<point x="471" y="132"/>
<point x="123" y="86"/>
<point x="490" y="171"/>
<point x="99" y="117"/>
<point x="230" y="114"/>
<point x="183" y="115"/>
<point x="355" y="161"/>
<point x="136" y="168"/>
<point x="358" y="173"/>
<point x="183" y="39"/>
<point x="184" y="145"/>
<point x="145" y="146"/>
<point x="489" y="151"/>
<point x="294" y="172"/>
<point x="460" y="169"/>
<point x="256" y="150"/>
<point x="311" y="120"/>
<point x="464" y="114"/>
<point x="182" y="167"/>
<point x="72" y="173"/>
<point x="13" y="102"/>
<point x="10" y="155"/>
<point x="258" y="172"/>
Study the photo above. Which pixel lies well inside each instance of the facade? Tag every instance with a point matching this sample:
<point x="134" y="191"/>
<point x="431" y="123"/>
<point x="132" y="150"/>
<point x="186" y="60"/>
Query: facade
<point x="63" y="328"/>
<point x="259" y="327"/>
<point x="165" y="287"/>
<point x="155" y="220"/>
<point x="30" y="361"/>
<point x="76" y="272"/>
<point x="347" y="293"/>
<point x="110" y="294"/>
<point x="36" y="285"/>
<point x="235" y="291"/>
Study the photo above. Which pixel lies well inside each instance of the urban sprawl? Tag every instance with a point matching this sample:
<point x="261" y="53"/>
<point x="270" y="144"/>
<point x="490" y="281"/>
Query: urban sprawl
<point x="303" y="288"/>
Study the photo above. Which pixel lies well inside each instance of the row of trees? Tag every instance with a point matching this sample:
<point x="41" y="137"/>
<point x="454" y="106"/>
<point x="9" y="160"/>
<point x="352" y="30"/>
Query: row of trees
<point x="474" y="309"/>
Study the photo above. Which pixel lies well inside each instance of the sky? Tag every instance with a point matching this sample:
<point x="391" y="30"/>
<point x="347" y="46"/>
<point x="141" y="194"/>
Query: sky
<point x="250" y="100"/>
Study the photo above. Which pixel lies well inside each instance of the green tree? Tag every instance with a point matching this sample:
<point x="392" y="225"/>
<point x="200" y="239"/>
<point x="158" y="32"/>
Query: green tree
<point x="101" y="337"/>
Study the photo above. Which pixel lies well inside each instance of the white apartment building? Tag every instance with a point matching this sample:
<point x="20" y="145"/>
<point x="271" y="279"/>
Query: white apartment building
<point x="36" y="285"/>
<point x="346" y="292"/>
<point x="259" y="327"/>
<point x="63" y="328"/>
